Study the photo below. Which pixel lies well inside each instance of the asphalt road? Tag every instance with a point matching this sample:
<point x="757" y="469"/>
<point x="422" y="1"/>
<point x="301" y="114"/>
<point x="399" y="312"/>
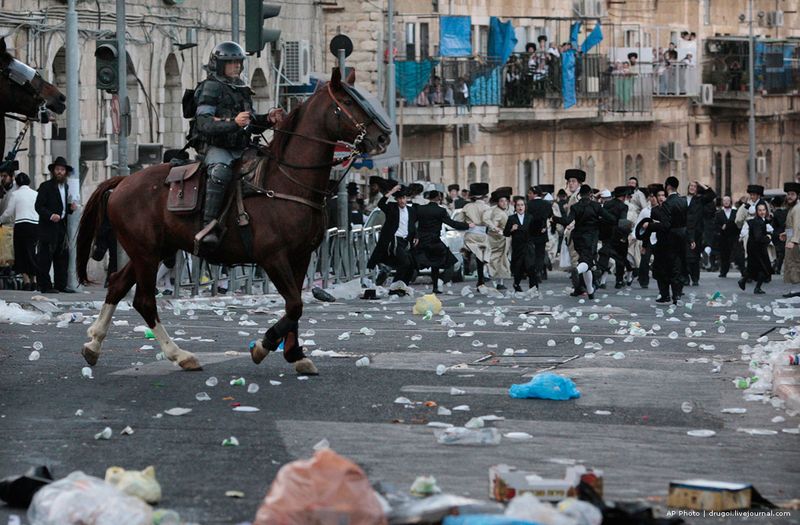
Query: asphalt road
<point x="638" y="437"/>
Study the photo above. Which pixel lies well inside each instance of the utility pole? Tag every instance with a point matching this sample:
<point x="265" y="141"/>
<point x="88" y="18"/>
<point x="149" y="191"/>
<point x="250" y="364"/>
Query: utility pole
<point x="73" y="137"/>
<point x="391" y="100"/>
<point x="122" y="93"/>
<point x="342" y="196"/>
<point x="235" y="21"/>
<point x="752" y="121"/>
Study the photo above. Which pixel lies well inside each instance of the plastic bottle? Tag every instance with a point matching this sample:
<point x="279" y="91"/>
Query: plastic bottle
<point x="238" y="382"/>
<point x="466" y="436"/>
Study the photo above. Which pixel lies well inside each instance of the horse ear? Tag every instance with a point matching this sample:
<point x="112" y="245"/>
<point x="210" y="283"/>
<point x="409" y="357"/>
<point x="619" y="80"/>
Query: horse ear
<point x="351" y="77"/>
<point x="336" y="78"/>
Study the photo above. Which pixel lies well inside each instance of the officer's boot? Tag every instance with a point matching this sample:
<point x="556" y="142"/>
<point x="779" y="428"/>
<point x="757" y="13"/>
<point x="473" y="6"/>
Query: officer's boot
<point x="218" y="177"/>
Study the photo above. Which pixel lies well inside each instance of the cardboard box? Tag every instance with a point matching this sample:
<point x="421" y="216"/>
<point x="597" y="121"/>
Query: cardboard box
<point x="703" y="494"/>
<point x="506" y="481"/>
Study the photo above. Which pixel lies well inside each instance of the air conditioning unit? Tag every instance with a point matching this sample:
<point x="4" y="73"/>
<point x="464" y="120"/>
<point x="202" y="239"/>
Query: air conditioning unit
<point x="775" y="19"/>
<point x="675" y="151"/>
<point x="707" y="94"/>
<point x="589" y="8"/>
<point x="761" y="165"/>
<point x="297" y="63"/>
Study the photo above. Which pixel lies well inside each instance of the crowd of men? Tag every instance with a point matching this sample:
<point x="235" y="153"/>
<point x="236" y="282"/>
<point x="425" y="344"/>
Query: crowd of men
<point x="39" y="221"/>
<point x="629" y="233"/>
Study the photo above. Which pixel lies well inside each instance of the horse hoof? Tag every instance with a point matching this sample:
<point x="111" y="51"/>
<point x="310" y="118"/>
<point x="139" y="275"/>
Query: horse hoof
<point x="305" y="367"/>
<point x="191" y="364"/>
<point x="90" y="355"/>
<point x="257" y="352"/>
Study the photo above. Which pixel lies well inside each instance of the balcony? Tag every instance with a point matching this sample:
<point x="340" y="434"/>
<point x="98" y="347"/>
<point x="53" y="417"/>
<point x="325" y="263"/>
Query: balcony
<point x="447" y="91"/>
<point x="676" y="80"/>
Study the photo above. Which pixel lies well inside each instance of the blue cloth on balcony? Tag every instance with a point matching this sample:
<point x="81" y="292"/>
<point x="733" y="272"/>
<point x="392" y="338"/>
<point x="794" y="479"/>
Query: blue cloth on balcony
<point x="412" y="77"/>
<point x="502" y="39"/>
<point x="594" y="38"/>
<point x="484" y="90"/>
<point x="568" y="78"/>
<point x="455" y="36"/>
<point x="574" y="30"/>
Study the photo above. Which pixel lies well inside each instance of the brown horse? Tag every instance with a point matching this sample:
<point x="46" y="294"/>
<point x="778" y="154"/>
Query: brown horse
<point x="287" y="219"/>
<point x="24" y="92"/>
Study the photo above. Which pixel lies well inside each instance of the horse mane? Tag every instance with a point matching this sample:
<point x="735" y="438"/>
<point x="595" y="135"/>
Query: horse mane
<point x="280" y="140"/>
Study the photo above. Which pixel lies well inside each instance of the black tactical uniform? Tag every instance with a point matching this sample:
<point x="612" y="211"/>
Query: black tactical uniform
<point x="219" y="99"/>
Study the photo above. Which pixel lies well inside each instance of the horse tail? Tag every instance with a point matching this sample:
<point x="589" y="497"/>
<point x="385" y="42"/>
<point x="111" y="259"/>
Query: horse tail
<point x="90" y="230"/>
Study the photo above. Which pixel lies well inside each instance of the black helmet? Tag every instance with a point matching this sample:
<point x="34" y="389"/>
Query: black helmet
<point x="224" y="52"/>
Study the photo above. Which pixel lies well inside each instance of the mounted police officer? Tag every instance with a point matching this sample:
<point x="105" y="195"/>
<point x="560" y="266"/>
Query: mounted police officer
<point x="224" y="123"/>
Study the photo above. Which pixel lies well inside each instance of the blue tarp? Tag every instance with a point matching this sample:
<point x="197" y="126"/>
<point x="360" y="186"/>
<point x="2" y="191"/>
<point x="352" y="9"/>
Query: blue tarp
<point x="485" y="89"/>
<point x="594" y="38"/>
<point x="502" y="39"/>
<point x="455" y="36"/>
<point x="574" y="30"/>
<point x="412" y="77"/>
<point x="568" y="78"/>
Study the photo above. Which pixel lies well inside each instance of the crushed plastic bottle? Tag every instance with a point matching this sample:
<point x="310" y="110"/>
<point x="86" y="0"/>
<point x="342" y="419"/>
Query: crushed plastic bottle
<point x="440" y="370"/>
<point x="466" y="436"/>
<point x="230" y="442"/>
<point x="239" y="381"/>
<point x="212" y="381"/>
<point x="202" y="396"/>
<point x="551" y="342"/>
<point x="34" y="356"/>
<point x="86" y="372"/>
<point x="363" y="362"/>
<point x="104" y="434"/>
<point x="252" y="388"/>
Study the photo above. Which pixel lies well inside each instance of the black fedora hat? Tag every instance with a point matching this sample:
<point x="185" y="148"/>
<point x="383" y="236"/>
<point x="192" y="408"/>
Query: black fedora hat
<point x="574" y="173"/>
<point x="621" y="191"/>
<point x="60" y="161"/>
<point x="755" y="188"/>
<point x="791" y="186"/>
<point x="641" y="228"/>
<point x="478" y="189"/>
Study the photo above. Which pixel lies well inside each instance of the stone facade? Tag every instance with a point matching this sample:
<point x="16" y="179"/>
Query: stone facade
<point x="162" y="71"/>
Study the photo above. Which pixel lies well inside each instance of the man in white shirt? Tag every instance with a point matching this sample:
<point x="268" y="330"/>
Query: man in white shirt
<point x="21" y="210"/>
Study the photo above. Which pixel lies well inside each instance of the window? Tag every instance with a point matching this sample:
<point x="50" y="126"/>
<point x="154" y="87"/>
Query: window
<point x="706" y="12"/>
<point x="638" y="169"/>
<point x="590" y="171"/>
<point x="631" y="38"/>
<point x="173" y="133"/>
<point x="628" y="167"/>
<point x="472" y="173"/>
<point x="485" y="172"/>
<point x="685" y="169"/>
<point x="718" y="173"/>
<point x="424" y="41"/>
<point x="411" y="49"/>
<point x="768" y="174"/>
<point x="484" y="40"/>
<point x="525" y="177"/>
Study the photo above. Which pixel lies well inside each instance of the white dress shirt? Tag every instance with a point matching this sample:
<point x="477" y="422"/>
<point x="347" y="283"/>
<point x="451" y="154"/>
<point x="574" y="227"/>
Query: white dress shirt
<point x="402" y="226"/>
<point x="521" y="218"/>
<point x="21" y="207"/>
<point x="62" y="190"/>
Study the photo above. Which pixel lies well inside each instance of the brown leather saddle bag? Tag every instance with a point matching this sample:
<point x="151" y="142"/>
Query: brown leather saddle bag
<point x="185" y="187"/>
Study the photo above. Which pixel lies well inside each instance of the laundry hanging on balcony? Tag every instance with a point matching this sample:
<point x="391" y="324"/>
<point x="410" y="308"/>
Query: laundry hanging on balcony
<point x="568" y="78"/>
<point x="574" y="31"/>
<point x="455" y="36"/>
<point x="502" y="39"/>
<point x="484" y="89"/>
<point x="412" y="77"/>
<point x="594" y="38"/>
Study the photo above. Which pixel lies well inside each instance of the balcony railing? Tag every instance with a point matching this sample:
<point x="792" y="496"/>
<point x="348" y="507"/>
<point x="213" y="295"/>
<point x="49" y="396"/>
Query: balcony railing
<point x="628" y="92"/>
<point x="680" y="80"/>
<point x="459" y="82"/>
<point x="528" y="78"/>
<point x="777" y="68"/>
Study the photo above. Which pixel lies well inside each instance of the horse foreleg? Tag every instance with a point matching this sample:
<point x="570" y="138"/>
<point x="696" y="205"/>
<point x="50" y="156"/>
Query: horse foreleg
<point x="145" y="303"/>
<point x="119" y="283"/>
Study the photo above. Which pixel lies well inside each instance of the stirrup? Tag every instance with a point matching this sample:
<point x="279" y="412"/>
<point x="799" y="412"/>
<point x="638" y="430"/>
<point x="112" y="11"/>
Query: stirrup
<point x="202" y="234"/>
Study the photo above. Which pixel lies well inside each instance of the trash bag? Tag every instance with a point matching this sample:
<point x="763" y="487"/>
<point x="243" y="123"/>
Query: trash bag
<point x="623" y="513"/>
<point x="327" y="489"/>
<point x="428" y="303"/>
<point x="546" y="386"/>
<point x="87" y="500"/>
<point x="529" y="509"/>
<point x="18" y="491"/>
<point x="141" y="484"/>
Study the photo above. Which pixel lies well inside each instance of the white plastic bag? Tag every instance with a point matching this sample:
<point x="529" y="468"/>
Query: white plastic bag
<point x="87" y="500"/>
<point x="565" y="261"/>
<point x="142" y="484"/>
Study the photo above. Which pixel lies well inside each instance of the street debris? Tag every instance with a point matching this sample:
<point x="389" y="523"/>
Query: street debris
<point x="177" y="411"/>
<point x="424" y="486"/>
<point x="706" y="495"/>
<point x="506" y="481"/>
<point x="546" y="386"/>
<point x="18" y="491"/>
<point x="141" y="484"/>
<point x="467" y="436"/>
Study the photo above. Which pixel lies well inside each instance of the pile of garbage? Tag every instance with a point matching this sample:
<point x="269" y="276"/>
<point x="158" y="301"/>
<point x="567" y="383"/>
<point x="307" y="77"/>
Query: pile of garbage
<point x="767" y="359"/>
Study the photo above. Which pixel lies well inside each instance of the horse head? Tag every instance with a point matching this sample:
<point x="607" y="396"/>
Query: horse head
<point x="25" y="89"/>
<point x="354" y="118"/>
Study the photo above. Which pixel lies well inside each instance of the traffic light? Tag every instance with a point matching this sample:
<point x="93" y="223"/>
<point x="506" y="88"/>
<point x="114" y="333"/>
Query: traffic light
<point x="107" y="62"/>
<point x="256" y="36"/>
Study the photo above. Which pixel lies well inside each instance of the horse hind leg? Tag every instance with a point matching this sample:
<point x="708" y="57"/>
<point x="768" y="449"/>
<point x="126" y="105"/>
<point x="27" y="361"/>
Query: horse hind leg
<point x="119" y="283"/>
<point x="145" y="303"/>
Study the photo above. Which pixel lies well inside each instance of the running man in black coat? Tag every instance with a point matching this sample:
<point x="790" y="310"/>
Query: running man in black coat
<point x="615" y="238"/>
<point x="53" y="205"/>
<point x="759" y="238"/>
<point x="699" y="197"/>
<point x="431" y="251"/>
<point x="727" y="234"/>
<point x="398" y="234"/>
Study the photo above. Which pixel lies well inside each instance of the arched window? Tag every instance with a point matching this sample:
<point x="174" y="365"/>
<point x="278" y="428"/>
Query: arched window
<point x="525" y="179"/>
<point x="472" y="173"/>
<point x="579" y="163"/>
<point x="638" y="168"/>
<point x="590" y="171"/>
<point x="728" y="173"/>
<point x="718" y="174"/>
<point x="485" y="172"/>
<point x="173" y="93"/>
<point x="768" y="174"/>
<point x="685" y="169"/>
<point x="259" y="87"/>
<point x="628" y="167"/>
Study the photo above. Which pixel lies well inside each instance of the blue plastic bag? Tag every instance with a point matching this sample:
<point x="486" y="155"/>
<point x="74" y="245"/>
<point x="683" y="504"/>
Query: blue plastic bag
<point x="546" y="386"/>
<point x="485" y="519"/>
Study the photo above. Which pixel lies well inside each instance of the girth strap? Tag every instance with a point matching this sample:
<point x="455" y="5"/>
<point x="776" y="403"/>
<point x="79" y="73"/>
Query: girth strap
<point x="283" y="196"/>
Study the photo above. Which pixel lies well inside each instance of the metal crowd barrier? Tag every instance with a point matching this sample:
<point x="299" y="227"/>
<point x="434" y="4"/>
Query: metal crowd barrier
<point x="341" y="257"/>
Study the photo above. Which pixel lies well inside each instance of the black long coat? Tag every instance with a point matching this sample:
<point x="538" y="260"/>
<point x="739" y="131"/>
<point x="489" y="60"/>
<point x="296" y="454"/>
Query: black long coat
<point x="383" y="252"/>
<point x="729" y="235"/>
<point x="759" y="267"/>
<point x="431" y="252"/>
<point x="695" y="215"/>
<point x="522" y="243"/>
<point x="48" y="202"/>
